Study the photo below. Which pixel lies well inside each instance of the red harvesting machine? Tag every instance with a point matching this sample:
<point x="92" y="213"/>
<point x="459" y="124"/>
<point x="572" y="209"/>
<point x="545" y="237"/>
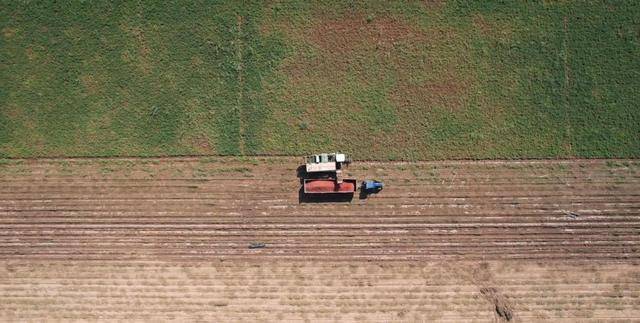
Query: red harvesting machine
<point x="329" y="186"/>
<point x="323" y="175"/>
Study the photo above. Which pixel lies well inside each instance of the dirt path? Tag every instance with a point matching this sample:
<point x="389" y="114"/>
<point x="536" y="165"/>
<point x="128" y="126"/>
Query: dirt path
<point x="499" y="240"/>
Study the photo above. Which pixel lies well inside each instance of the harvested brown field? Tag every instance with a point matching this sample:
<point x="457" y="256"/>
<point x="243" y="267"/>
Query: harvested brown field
<point x="458" y="241"/>
<point x="316" y="291"/>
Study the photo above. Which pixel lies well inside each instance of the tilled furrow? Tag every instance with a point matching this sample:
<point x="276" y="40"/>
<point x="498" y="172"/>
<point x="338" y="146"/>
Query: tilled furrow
<point x="191" y="208"/>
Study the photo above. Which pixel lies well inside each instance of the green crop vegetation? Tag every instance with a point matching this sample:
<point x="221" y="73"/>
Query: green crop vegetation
<point x="381" y="80"/>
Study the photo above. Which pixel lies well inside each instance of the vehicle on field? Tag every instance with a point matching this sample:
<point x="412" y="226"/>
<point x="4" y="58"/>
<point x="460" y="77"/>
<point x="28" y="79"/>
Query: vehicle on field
<point x="372" y="186"/>
<point x="326" y="164"/>
<point x="329" y="186"/>
<point x="324" y="175"/>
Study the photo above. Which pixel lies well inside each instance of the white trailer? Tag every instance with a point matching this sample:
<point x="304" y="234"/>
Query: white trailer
<point x="329" y="164"/>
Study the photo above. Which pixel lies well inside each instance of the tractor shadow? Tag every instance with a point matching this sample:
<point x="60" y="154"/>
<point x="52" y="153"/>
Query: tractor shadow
<point x="363" y="194"/>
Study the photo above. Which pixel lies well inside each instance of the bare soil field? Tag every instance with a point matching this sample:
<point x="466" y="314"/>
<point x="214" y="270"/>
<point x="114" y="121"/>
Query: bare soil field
<point x="170" y="239"/>
<point x="318" y="291"/>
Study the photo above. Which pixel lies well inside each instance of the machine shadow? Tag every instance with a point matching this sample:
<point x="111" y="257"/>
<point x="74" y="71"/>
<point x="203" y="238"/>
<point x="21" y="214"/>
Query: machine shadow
<point x="363" y="194"/>
<point x="301" y="173"/>
<point x="323" y="198"/>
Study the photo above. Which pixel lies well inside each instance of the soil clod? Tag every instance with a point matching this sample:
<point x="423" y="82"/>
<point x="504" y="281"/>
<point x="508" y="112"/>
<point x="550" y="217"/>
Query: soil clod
<point x="571" y="215"/>
<point x="257" y="245"/>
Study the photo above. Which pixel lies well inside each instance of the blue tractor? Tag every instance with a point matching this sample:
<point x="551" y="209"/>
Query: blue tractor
<point x="372" y="187"/>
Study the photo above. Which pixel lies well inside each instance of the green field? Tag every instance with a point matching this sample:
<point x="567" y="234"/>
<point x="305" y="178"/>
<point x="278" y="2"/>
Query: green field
<point x="400" y="80"/>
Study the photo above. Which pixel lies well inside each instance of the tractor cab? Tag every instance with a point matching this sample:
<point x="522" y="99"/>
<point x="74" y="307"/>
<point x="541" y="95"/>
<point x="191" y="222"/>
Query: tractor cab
<point x="372" y="186"/>
<point x="326" y="162"/>
<point x="326" y="165"/>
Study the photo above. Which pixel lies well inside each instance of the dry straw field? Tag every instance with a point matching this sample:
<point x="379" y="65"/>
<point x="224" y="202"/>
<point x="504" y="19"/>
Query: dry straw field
<point x="458" y="241"/>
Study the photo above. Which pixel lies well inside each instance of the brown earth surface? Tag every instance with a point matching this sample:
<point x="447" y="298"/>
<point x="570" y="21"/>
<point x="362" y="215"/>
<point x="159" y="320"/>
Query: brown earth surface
<point x="157" y="239"/>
